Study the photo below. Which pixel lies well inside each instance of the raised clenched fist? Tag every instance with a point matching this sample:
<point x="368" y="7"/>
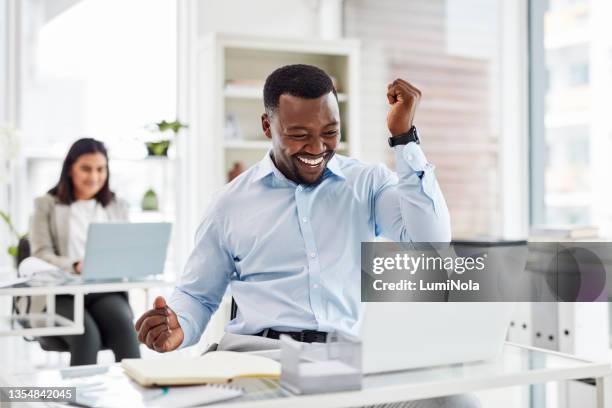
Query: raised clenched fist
<point x="404" y="99"/>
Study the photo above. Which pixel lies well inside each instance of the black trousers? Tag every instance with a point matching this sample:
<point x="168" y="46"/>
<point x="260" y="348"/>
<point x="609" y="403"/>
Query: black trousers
<point x="108" y="324"/>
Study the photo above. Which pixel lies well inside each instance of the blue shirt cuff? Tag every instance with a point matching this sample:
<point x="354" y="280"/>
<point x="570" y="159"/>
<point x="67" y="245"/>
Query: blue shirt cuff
<point x="410" y="159"/>
<point x="413" y="168"/>
<point x="188" y="334"/>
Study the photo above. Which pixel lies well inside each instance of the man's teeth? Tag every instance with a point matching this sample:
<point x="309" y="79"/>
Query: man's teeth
<point x="311" y="162"/>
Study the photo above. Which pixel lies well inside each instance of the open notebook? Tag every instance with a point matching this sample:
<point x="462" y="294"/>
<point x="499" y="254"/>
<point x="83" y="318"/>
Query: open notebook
<point x="212" y="368"/>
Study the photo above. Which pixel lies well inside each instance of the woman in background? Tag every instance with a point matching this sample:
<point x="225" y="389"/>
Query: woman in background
<point x="57" y="235"/>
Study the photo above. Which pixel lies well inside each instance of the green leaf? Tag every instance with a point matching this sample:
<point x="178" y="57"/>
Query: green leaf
<point x="9" y="223"/>
<point x="5" y="217"/>
<point x="13" y="251"/>
<point x="173" y="126"/>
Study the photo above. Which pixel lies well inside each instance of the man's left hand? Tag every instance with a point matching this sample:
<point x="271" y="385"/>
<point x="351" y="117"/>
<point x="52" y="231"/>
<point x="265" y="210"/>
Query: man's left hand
<point x="403" y="99"/>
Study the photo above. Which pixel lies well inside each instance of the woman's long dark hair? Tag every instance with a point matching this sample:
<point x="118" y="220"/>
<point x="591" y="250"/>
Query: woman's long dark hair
<point x="64" y="190"/>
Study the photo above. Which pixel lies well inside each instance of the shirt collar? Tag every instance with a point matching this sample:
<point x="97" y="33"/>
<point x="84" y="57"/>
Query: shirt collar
<point x="266" y="167"/>
<point x="334" y="167"/>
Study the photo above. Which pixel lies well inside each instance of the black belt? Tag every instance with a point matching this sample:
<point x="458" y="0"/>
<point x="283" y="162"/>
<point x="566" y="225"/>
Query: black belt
<point x="307" y="336"/>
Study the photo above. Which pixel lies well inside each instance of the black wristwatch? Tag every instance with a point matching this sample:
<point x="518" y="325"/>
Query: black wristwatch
<point x="403" y="139"/>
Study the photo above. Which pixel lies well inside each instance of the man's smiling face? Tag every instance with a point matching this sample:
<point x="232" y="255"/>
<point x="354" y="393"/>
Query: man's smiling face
<point x="304" y="133"/>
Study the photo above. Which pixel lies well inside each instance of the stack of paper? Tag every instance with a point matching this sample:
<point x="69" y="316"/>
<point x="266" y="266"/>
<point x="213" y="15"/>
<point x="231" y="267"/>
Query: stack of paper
<point x="111" y="388"/>
<point x="564" y="233"/>
<point x="41" y="271"/>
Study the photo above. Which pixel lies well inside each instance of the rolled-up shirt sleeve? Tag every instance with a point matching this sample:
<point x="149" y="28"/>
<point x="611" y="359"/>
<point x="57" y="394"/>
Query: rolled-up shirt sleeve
<point x="410" y="206"/>
<point x="203" y="282"/>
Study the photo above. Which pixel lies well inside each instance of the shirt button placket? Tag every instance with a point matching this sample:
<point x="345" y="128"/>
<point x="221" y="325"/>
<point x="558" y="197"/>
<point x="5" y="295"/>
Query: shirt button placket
<point x="312" y="259"/>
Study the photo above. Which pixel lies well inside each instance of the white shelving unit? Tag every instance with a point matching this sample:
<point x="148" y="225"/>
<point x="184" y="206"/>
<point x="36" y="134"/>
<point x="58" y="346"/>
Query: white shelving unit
<point x="132" y="175"/>
<point x="248" y="92"/>
<point x="263" y="144"/>
<point x="230" y="71"/>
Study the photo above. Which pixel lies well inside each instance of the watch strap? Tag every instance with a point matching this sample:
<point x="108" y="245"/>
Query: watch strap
<point x="405" y="138"/>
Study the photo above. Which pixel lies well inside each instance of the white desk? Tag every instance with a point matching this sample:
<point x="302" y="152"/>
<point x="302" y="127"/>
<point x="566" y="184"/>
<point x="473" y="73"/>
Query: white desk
<point x="52" y="324"/>
<point x="517" y="365"/>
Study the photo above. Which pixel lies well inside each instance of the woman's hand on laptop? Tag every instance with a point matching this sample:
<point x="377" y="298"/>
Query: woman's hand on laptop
<point x="159" y="328"/>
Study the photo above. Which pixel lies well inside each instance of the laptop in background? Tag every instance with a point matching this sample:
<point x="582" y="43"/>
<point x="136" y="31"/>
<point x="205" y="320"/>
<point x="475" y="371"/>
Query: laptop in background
<point x="125" y="250"/>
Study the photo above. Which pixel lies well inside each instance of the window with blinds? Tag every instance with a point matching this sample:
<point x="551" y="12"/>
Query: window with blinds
<point x="450" y="51"/>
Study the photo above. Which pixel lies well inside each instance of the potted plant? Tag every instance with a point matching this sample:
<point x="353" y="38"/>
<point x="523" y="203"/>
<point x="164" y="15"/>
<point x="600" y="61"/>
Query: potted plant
<point x="13" y="250"/>
<point x="149" y="201"/>
<point x="159" y="147"/>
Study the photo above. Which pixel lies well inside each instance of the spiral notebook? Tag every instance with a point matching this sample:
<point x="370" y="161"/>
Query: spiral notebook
<point x="190" y="395"/>
<point x="215" y="367"/>
<point x="109" y="387"/>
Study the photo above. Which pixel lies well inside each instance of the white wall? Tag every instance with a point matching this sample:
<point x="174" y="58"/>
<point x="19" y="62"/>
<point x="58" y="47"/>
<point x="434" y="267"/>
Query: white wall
<point x="3" y="111"/>
<point x="297" y="18"/>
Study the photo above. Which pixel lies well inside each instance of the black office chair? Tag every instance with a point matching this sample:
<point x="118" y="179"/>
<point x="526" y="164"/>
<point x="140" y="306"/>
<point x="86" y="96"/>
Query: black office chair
<point x="47" y="343"/>
<point x="23" y="249"/>
<point x="233" y="309"/>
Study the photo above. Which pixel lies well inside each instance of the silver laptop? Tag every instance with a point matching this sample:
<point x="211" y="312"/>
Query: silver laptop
<point x="125" y="250"/>
<point x="400" y="336"/>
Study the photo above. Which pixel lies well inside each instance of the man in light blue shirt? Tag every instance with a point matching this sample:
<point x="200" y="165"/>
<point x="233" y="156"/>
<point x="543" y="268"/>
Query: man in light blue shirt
<point x="285" y="235"/>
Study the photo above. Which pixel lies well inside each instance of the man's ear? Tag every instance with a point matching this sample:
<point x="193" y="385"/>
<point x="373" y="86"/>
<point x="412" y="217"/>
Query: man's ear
<point x="265" y="125"/>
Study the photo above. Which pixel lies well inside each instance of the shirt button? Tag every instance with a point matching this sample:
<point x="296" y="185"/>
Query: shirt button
<point x="315" y="286"/>
<point x="410" y="157"/>
<point x="313" y="255"/>
<point x="305" y="219"/>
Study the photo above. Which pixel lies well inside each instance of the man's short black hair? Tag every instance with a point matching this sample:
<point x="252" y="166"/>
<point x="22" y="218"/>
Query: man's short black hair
<point x="303" y="81"/>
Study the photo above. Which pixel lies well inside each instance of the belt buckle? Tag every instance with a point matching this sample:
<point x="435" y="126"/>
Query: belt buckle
<point x="309" y="336"/>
